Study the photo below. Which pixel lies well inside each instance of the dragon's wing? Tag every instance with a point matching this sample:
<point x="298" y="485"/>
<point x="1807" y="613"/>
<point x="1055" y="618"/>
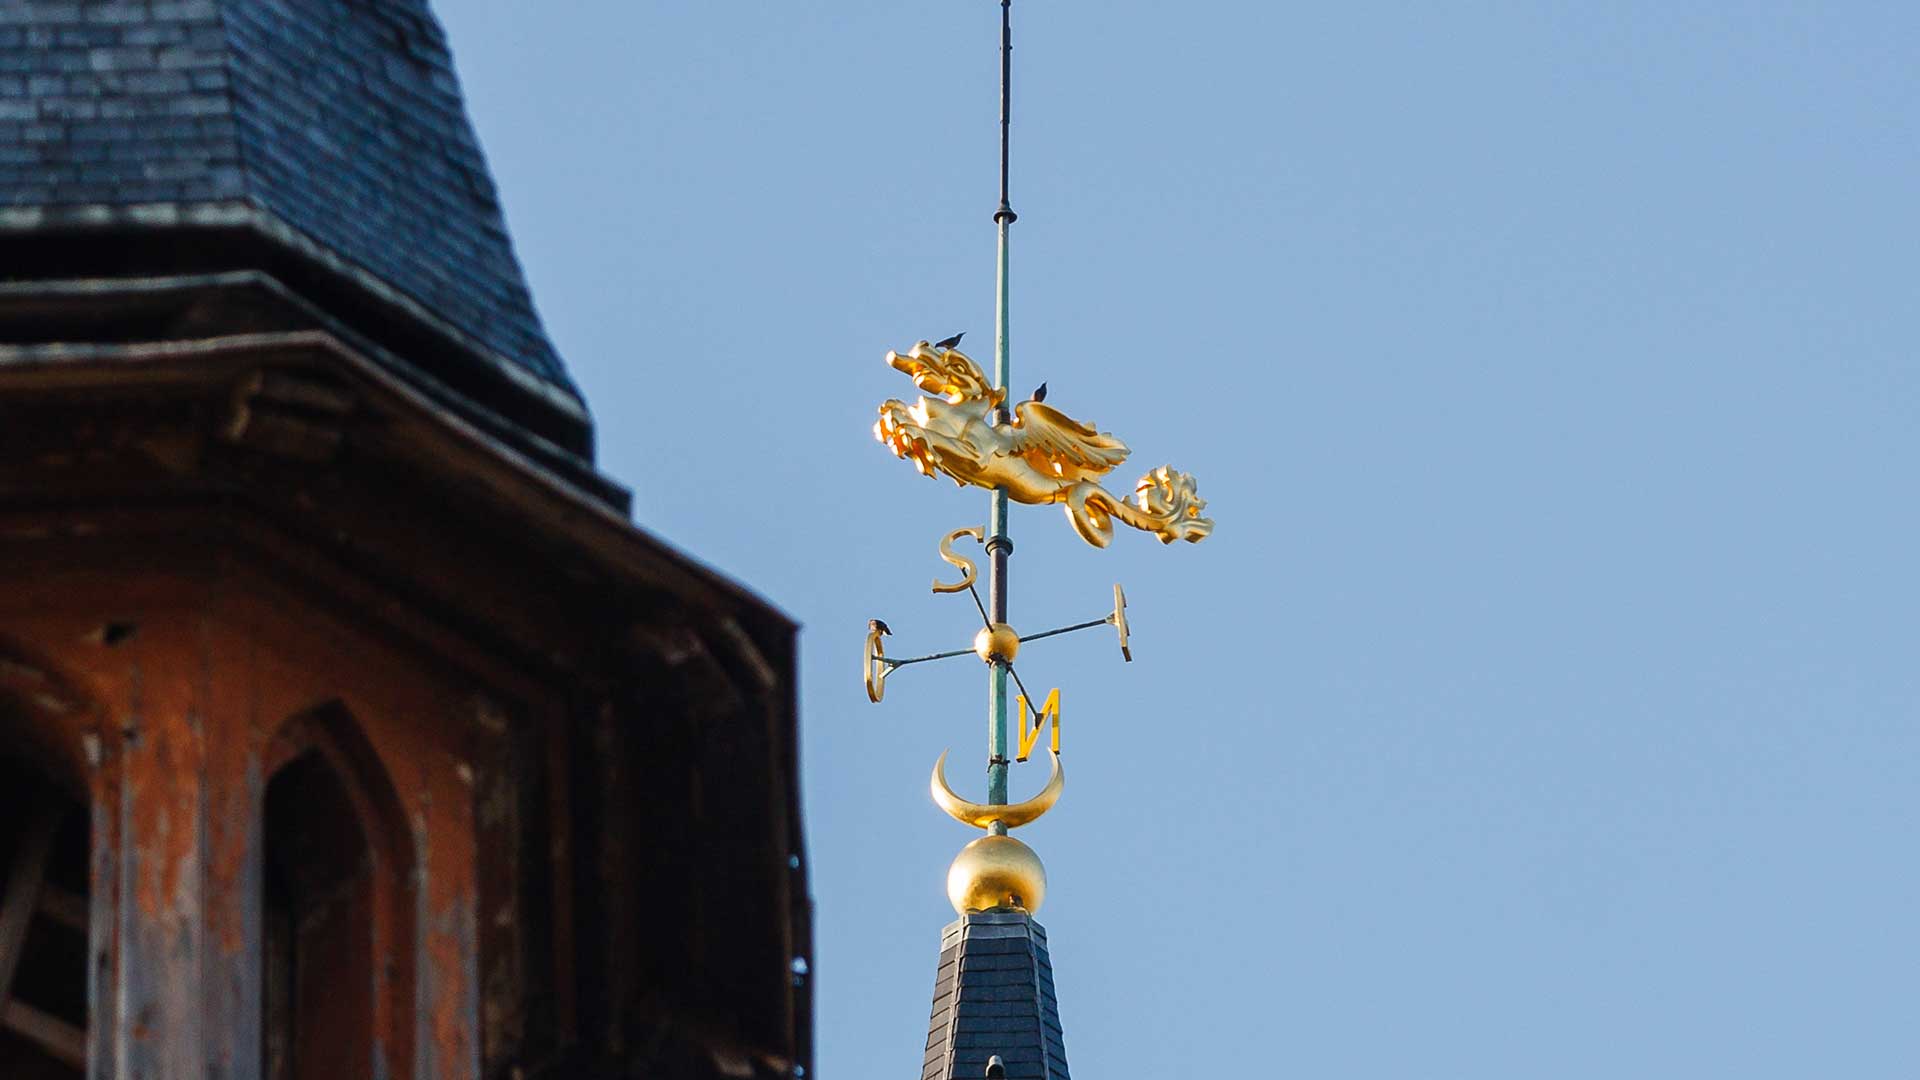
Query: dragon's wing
<point x="1070" y="450"/>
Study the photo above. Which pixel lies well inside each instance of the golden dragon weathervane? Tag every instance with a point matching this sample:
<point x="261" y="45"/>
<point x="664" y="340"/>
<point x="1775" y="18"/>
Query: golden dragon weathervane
<point x="1035" y="455"/>
<point x="1040" y="456"/>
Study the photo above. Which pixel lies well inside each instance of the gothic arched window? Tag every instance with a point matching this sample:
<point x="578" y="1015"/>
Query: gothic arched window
<point x="338" y="961"/>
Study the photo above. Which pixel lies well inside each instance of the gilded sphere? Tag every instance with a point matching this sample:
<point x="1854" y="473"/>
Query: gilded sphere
<point x="996" y="872"/>
<point x="997" y="642"/>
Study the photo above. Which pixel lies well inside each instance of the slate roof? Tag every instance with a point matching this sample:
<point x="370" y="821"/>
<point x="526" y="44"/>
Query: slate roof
<point x="993" y="995"/>
<point x="334" y="126"/>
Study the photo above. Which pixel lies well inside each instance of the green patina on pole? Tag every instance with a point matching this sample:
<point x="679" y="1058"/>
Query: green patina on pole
<point x="999" y="543"/>
<point x="999" y="547"/>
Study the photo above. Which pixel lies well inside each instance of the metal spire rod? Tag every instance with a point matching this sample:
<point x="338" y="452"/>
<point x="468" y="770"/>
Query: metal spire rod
<point x="1006" y="104"/>
<point x="999" y="544"/>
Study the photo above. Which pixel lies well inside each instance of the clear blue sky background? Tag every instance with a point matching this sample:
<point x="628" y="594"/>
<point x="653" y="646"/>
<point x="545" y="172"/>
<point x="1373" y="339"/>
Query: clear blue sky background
<point x="1545" y="704"/>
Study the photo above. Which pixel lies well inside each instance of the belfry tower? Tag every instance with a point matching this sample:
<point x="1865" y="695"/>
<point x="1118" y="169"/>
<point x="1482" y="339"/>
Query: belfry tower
<point x="348" y="727"/>
<point x="995" y="1009"/>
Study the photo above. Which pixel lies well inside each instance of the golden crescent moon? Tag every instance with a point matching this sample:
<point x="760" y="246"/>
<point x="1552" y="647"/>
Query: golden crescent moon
<point x="980" y="816"/>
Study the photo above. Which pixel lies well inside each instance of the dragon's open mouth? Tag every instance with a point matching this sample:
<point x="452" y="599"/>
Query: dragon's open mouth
<point x="904" y="442"/>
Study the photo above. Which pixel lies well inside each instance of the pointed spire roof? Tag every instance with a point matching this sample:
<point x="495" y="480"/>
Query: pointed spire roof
<point x="993" y="996"/>
<point x="323" y="142"/>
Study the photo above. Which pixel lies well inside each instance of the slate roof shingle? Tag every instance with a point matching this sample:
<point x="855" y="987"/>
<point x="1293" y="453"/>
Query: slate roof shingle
<point x="993" y="994"/>
<point x="340" y="120"/>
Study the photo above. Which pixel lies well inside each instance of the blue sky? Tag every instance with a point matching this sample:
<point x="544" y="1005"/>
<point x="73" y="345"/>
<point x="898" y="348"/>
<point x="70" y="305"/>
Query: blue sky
<point x="1544" y="703"/>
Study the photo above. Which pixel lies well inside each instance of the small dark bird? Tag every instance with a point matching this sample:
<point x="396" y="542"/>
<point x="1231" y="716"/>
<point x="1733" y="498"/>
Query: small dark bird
<point x="878" y="627"/>
<point x="1040" y="394"/>
<point x="952" y="342"/>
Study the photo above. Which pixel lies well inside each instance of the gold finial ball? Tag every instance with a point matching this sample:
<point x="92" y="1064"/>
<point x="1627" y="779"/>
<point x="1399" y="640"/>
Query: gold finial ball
<point x="996" y="872"/>
<point x="997" y="642"/>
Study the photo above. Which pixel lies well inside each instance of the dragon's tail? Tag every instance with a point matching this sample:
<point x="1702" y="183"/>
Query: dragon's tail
<point x="1166" y="503"/>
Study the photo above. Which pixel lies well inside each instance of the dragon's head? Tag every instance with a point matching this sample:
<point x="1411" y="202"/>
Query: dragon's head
<point x="946" y="373"/>
<point x="933" y="432"/>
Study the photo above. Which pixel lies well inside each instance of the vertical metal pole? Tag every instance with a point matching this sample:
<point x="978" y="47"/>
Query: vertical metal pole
<point x="999" y="544"/>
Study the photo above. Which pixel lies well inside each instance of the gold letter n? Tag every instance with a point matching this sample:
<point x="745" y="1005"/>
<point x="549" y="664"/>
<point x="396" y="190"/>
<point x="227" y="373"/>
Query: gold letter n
<point x="1049" y="711"/>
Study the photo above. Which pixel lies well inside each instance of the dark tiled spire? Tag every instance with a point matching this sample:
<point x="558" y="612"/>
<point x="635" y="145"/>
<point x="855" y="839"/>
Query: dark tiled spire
<point x="329" y="134"/>
<point x="352" y="129"/>
<point x="993" y="996"/>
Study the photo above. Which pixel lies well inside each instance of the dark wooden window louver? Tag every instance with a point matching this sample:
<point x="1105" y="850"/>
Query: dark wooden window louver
<point x="43" y="928"/>
<point x="319" y="972"/>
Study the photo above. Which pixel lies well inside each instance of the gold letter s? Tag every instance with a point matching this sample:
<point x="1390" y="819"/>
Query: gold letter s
<point x="968" y="571"/>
